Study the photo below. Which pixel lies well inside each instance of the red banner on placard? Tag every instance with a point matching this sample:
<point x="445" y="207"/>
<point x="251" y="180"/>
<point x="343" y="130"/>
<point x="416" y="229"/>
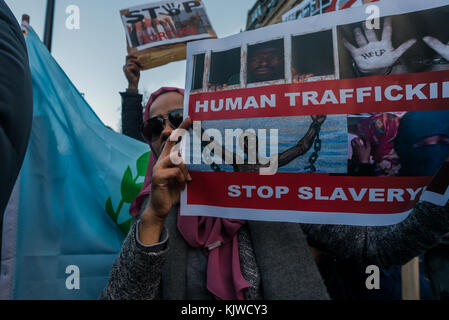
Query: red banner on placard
<point x="405" y="92"/>
<point x="305" y="192"/>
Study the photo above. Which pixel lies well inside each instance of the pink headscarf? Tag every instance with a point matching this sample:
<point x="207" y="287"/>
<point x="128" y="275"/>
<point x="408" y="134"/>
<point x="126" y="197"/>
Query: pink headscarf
<point x="380" y="130"/>
<point x="218" y="237"/>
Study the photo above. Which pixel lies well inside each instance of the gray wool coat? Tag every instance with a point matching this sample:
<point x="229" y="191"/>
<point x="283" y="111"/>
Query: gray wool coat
<point x="281" y="266"/>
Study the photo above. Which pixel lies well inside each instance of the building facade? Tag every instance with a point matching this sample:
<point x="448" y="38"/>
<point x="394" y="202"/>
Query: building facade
<point x="266" y="12"/>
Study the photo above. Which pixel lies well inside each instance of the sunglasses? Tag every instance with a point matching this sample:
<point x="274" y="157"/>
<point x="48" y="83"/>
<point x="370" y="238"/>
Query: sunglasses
<point x="153" y="127"/>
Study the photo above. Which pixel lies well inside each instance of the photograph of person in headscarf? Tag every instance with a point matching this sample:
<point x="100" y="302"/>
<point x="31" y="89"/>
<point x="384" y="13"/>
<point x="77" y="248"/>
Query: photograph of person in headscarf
<point x="422" y="142"/>
<point x="313" y="57"/>
<point x="266" y="61"/>
<point x="413" y="143"/>
<point x="408" y="43"/>
<point x="372" y="144"/>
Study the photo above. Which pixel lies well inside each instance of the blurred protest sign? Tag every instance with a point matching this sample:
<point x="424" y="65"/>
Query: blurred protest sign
<point x="320" y="121"/>
<point x="157" y="33"/>
<point x="69" y="208"/>
<point x="309" y="8"/>
<point x="438" y="190"/>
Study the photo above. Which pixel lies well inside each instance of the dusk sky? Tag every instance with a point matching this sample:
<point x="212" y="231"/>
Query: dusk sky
<point x="93" y="56"/>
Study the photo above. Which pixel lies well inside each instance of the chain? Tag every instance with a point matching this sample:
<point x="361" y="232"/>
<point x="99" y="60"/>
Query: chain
<point x="316" y="148"/>
<point x="213" y="165"/>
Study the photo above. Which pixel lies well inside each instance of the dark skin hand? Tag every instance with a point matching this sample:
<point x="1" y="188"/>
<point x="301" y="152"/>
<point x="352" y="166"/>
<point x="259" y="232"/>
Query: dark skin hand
<point x="361" y="150"/>
<point x="168" y="181"/>
<point x="301" y="78"/>
<point x="132" y="70"/>
<point x="303" y="145"/>
<point x="215" y="87"/>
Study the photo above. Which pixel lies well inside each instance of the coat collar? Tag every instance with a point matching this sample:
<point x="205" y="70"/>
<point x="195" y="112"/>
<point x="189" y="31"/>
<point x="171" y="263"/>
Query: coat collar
<point x="174" y="273"/>
<point x="286" y="265"/>
<point x="287" y="268"/>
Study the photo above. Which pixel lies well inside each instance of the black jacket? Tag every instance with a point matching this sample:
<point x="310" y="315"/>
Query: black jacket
<point x="16" y="103"/>
<point x="132" y="114"/>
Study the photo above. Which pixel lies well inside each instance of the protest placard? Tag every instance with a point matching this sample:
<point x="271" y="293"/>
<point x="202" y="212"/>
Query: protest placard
<point x="327" y="121"/>
<point x="157" y="32"/>
<point x="437" y="191"/>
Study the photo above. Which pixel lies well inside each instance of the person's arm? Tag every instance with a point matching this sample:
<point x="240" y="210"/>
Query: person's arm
<point x="303" y="145"/>
<point x="132" y="111"/>
<point x="384" y="246"/>
<point x="16" y="103"/>
<point x="136" y="273"/>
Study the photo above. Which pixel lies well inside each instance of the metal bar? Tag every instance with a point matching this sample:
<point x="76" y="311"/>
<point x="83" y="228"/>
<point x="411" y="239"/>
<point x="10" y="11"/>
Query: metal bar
<point x="207" y="62"/>
<point x="49" y="19"/>
<point x="288" y="58"/>
<point x="243" y="63"/>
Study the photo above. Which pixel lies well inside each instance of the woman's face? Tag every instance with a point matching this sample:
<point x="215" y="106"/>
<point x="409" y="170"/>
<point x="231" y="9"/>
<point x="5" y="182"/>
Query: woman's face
<point x="161" y="107"/>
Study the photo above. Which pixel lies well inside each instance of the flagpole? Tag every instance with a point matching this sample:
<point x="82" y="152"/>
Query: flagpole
<point x="49" y="18"/>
